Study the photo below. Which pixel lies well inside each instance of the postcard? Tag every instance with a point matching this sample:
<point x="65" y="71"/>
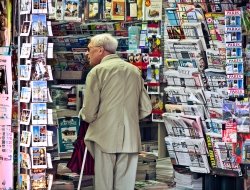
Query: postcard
<point x="39" y="47"/>
<point x="24" y="180"/>
<point x="25" y="94"/>
<point x="39" y="91"/>
<point x="38" y="157"/>
<point x="25" y="71"/>
<point x="39" y="6"/>
<point x="38" y="181"/>
<point x="59" y="9"/>
<point x="39" y="113"/>
<point x="49" y="137"/>
<point x="25" y="7"/>
<point x="25" y="117"/>
<point x="25" y="139"/>
<point x="50" y="33"/>
<point x="49" y="161"/>
<point x="25" y="160"/>
<point x="25" y="51"/>
<point x="39" y="25"/>
<point x="25" y="30"/>
<point x="50" y="50"/>
<point x="39" y="135"/>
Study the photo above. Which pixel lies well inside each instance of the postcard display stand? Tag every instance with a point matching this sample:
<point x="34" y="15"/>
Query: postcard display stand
<point x="207" y="114"/>
<point x="34" y="74"/>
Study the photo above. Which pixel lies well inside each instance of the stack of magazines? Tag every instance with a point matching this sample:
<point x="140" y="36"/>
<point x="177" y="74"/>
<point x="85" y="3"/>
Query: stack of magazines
<point x="187" y="181"/>
<point x="164" y="170"/>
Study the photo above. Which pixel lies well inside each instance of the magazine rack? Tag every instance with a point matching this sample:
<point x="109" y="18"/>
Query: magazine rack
<point x="207" y="31"/>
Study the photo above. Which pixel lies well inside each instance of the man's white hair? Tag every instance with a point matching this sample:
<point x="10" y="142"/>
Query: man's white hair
<point x="106" y="40"/>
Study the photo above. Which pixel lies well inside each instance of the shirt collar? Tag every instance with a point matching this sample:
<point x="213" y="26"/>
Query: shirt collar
<point x="108" y="57"/>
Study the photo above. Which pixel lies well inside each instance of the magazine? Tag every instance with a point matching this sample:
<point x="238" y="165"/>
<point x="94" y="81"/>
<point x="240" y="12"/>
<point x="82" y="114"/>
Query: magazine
<point x="227" y="157"/>
<point x="229" y="133"/>
<point x="214" y="127"/>
<point x="188" y="152"/>
<point x="153" y="10"/>
<point x="38" y="157"/>
<point x="67" y="133"/>
<point x="39" y="135"/>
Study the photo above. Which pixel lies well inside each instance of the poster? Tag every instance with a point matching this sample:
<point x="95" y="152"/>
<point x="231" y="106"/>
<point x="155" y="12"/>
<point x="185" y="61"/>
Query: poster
<point x="6" y="157"/>
<point x="5" y="90"/>
<point x="67" y="133"/>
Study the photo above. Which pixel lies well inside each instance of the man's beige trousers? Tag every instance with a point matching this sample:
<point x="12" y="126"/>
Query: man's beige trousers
<point x="115" y="171"/>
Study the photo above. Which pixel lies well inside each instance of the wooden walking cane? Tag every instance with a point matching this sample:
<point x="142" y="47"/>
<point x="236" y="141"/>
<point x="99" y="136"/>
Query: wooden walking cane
<point x="83" y="164"/>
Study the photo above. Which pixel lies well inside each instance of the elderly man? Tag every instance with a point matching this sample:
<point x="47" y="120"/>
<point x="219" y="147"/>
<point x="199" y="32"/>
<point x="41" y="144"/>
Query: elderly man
<point x="114" y="101"/>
